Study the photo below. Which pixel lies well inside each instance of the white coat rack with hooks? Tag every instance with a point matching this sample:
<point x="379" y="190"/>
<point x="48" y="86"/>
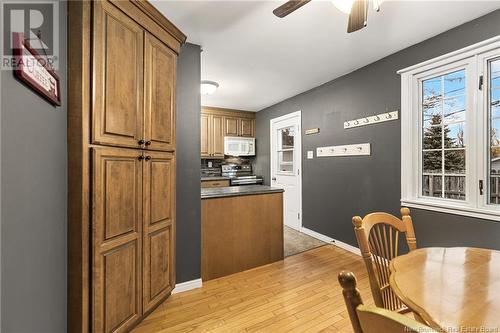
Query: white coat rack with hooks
<point x="370" y="120"/>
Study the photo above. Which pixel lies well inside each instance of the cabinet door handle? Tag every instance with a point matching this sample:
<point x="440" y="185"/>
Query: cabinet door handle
<point x="148" y="158"/>
<point x="148" y="143"/>
<point x="140" y="158"/>
<point x="141" y="142"/>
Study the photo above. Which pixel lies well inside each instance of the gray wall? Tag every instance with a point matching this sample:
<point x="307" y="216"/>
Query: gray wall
<point x="335" y="189"/>
<point x="34" y="190"/>
<point x="188" y="164"/>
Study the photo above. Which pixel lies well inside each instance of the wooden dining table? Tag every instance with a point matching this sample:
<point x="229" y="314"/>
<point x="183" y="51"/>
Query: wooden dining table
<point x="451" y="289"/>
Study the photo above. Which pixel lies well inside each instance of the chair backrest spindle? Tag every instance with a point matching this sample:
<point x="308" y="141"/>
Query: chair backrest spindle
<point x="366" y="319"/>
<point x="378" y="239"/>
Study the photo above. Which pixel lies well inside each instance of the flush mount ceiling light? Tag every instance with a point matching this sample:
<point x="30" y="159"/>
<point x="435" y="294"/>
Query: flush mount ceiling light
<point x="208" y="87"/>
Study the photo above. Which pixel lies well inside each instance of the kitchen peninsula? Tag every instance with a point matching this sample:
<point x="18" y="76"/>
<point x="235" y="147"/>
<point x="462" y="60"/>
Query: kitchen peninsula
<point x="242" y="228"/>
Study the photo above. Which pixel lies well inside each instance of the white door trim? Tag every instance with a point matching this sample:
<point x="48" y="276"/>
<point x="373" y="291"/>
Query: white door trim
<point x="299" y="154"/>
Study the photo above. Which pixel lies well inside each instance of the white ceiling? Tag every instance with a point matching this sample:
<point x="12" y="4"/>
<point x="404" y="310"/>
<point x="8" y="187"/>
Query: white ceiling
<point x="259" y="59"/>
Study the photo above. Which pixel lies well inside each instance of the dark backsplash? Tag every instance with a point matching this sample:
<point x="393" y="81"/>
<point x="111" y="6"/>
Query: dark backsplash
<point x="215" y="169"/>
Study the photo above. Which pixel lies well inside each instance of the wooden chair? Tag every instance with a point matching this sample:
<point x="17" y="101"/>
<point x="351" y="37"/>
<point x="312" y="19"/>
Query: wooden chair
<point x="367" y="319"/>
<point x="378" y="240"/>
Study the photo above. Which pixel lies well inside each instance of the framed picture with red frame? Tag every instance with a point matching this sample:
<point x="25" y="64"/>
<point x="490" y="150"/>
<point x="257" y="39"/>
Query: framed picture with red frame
<point x="33" y="69"/>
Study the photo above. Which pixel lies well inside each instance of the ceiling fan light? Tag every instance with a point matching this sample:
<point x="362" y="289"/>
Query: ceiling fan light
<point x="376" y="4"/>
<point x="344" y="6"/>
<point x="208" y="87"/>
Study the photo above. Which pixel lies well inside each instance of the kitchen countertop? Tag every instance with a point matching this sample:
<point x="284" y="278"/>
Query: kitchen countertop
<point x="232" y="191"/>
<point x="204" y="178"/>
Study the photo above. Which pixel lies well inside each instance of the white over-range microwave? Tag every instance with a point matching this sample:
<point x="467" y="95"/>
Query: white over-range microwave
<point x="238" y="146"/>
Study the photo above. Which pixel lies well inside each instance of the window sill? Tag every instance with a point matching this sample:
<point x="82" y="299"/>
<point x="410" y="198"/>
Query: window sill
<point x="492" y="215"/>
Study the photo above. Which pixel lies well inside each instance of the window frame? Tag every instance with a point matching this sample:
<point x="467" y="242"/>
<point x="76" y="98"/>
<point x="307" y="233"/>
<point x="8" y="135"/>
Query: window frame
<point x="474" y="60"/>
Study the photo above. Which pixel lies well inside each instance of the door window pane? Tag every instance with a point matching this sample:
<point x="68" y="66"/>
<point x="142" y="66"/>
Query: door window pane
<point x="287" y="137"/>
<point x="494" y="131"/>
<point x="443" y="136"/>
<point x="286" y="142"/>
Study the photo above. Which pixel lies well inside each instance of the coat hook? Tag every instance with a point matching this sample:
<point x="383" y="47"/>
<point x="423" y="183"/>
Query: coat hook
<point x="367" y="120"/>
<point x="356" y="122"/>
<point x="377" y="118"/>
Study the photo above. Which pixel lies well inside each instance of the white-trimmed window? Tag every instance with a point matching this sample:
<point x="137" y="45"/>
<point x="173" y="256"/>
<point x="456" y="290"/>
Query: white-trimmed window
<point x="450" y="132"/>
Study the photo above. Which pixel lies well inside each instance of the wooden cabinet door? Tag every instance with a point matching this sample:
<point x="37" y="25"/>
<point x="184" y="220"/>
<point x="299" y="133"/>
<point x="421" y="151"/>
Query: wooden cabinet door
<point x="117" y="111"/>
<point x="158" y="216"/>
<point x="247" y="127"/>
<point x="231" y="126"/>
<point x="159" y="77"/>
<point x="217" y="125"/>
<point x="117" y="239"/>
<point x="205" y="135"/>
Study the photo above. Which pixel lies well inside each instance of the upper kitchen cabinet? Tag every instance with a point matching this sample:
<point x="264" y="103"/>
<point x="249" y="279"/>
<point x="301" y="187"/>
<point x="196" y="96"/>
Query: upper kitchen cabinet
<point x="216" y="123"/>
<point x="240" y="124"/>
<point x="134" y="71"/>
<point x="247" y="127"/>
<point x="231" y="126"/>
<point x="212" y="136"/>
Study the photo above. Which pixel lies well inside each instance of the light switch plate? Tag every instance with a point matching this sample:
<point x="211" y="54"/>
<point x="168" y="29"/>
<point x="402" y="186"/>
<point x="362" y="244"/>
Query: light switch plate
<point x="310" y="154"/>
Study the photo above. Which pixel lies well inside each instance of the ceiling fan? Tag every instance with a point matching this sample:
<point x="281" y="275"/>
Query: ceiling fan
<point x="357" y="10"/>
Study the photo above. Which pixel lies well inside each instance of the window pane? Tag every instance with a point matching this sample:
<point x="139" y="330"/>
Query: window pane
<point x="495" y="73"/>
<point x="454" y="161"/>
<point x="433" y="137"/>
<point x="494" y="131"/>
<point x="287" y="137"/>
<point x="432" y="162"/>
<point x="454" y="109"/>
<point x="454" y="187"/>
<point x="495" y="103"/>
<point x="443" y="135"/>
<point x="432" y="115"/>
<point x="432" y="89"/>
<point x="454" y="84"/>
<point x="431" y="186"/>
<point x="454" y="135"/>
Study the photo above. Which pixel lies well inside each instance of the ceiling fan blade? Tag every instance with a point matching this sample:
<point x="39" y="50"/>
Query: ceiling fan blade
<point x="289" y="7"/>
<point x="359" y="15"/>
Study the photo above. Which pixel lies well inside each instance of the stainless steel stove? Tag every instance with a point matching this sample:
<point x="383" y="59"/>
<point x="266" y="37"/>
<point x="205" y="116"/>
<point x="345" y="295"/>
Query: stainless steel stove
<point x="241" y="174"/>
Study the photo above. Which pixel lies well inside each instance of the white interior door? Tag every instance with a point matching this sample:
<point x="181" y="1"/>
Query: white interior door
<point x="286" y="163"/>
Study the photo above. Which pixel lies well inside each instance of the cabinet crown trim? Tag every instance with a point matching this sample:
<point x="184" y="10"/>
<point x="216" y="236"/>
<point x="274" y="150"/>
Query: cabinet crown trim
<point x="150" y="10"/>
<point x="227" y="112"/>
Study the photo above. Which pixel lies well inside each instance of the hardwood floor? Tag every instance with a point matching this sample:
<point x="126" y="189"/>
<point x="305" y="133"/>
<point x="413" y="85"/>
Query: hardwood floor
<point x="299" y="294"/>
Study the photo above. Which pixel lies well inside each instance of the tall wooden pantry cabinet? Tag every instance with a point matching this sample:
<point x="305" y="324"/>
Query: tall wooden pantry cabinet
<point x="121" y="176"/>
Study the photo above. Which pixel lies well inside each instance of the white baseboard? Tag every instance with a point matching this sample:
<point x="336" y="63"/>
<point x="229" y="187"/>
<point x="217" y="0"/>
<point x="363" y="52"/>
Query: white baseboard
<point x="330" y="240"/>
<point x="347" y="247"/>
<point x="188" y="285"/>
<point x="317" y="235"/>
